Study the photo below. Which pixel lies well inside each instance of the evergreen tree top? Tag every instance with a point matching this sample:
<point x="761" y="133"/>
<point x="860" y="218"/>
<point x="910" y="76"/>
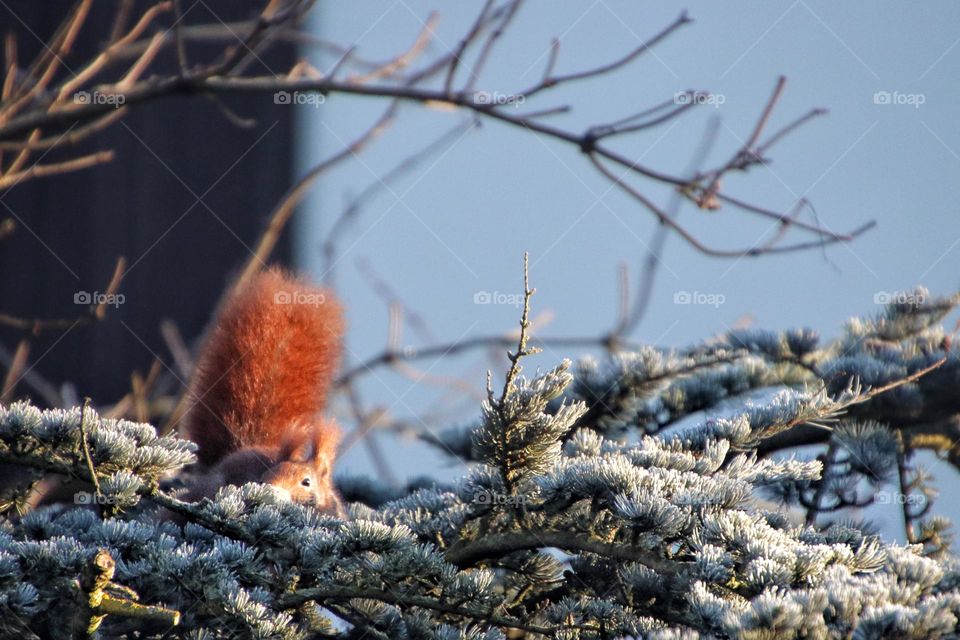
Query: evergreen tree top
<point x="588" y="512"/>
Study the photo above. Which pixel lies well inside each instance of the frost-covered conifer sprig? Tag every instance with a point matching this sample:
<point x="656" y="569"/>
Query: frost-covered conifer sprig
<point x="125" y="457"/>
<point x="380" y="577"/>
<point x="901" y="340"/>
<point x="615" y="393"/>
<point x="517" y="435"/>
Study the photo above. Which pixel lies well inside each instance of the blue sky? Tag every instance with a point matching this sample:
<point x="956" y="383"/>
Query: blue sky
<point x="889" y="151"/>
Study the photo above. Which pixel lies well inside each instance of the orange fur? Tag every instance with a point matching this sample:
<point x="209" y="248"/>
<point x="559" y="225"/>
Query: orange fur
<point x="260" y="387"/>
<point x="267" y="367"/>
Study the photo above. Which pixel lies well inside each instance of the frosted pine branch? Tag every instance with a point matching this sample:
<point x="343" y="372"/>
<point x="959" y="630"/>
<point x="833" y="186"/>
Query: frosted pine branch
<point x="609" y="528"/>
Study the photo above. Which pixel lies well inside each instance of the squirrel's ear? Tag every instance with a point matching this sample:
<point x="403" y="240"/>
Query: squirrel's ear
<point x="318" y="444"/>
<point x="325" y="440"/>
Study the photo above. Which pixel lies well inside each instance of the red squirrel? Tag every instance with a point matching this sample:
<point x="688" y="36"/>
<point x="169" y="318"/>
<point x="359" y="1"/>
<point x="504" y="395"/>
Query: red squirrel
<point x="259" y="389"/>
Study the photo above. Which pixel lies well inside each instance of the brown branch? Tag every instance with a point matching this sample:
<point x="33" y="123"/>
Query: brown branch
<point x="110" y="53"/>
<point x="321" y="594"/>
<point x="179" y="42"/>
<point x="747" y="155"/>
<point x="15" y="371"/>
<point x="99" y="603"/>
<point x="502" y="341"/>
<point x="44" y="388"/>
<point x="553" y="81"/>
<point x="85" y="447"/>
<point x="44" y="170"/>
<point x="829" y="459"/>
<point x="405" y="58"/>
<point x="465" y="42"/>
<point x="692" y="240"/>
<point x="51" y="58"/>
<point x="71" y="137"/>
<point x="509" y="13"/>
<point x="207" y="81"/>
<point x="119" y="270"/>
<point x="494" y="545"/>
<point x="229" y="32"/>
<point x="178" y="349"/>
<point x="140" y="66"/>
<point x="793" y="126"/>
<point x="366" y="421"/>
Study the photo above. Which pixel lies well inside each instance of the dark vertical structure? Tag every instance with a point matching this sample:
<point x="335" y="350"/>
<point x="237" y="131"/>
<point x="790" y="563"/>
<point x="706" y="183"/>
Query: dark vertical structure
<point x="184" y="202"/>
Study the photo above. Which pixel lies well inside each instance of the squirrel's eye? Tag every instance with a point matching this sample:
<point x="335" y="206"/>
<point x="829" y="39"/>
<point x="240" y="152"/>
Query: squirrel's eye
<point x="306" y="481"/>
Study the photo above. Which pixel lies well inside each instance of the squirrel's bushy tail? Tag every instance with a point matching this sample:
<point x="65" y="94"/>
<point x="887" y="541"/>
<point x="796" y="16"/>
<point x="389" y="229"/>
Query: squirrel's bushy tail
<point x="267" y="368"/>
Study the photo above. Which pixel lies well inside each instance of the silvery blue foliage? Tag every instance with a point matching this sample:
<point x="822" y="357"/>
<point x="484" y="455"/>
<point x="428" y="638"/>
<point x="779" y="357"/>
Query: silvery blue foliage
<point x="588" y="512"/>
<point x="116" y="446"/>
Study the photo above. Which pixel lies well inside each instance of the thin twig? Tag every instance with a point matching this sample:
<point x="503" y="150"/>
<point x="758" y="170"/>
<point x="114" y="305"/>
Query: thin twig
<point x="465" y="42"/>
<point x="821" y="491"/>
<point x="42" y="387"/>
<point x="405" y="58"/>
<point x="499" y="341"/>
<point x="15" y="371"/>
<point x="522" y="349"/>
<point x="86" y="447"/>
<point x="44" y="170"/>
<point x="508" y="15"/>
<point x="909" y="530"/>
<point x="587" y="141"/>
<point x="552" y="81"/>
<point x="747" y="151"/>
<point x="178" y="37"/>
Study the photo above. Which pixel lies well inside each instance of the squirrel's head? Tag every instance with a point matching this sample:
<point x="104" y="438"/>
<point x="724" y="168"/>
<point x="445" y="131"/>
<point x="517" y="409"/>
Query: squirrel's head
<point x="303" y="469"/>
